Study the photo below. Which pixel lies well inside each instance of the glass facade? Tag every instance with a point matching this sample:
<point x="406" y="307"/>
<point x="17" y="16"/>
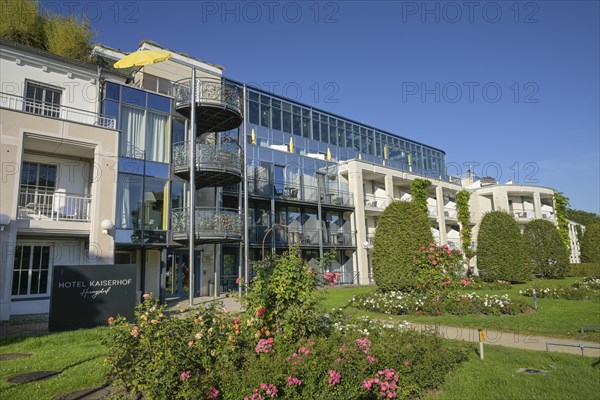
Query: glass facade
<point x="316" y="133"/>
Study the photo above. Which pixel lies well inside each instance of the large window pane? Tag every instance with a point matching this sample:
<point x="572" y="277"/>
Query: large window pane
<point x="129" y="202"/>
<point x="157" y="137"/>
<point x="132" y="132"/>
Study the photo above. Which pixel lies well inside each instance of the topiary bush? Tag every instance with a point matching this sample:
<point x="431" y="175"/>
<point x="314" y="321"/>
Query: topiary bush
<point x="585" y="269"/>
<point x="402" y="229"/>
<point x="501" y="250"/>
<point x="590" y="244"/>
<point x="547" y="250"/>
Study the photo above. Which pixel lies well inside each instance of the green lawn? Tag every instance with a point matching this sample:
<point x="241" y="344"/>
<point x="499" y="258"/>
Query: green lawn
<point x="79" y="355"/>
<point x="559" y="318"/>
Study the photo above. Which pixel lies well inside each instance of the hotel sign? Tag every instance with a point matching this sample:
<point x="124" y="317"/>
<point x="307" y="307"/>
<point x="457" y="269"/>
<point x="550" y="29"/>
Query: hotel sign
<point x="85" y="296"/>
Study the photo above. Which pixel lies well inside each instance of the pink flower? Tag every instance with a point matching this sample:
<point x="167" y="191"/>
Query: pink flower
<point x="447" y="282"/>
<point x="146" y="296"/>
<point x="406" y="363"/>
<point x="212" y="393"/>
<point x="293" y="381"/>
<point x="334" y="377"/>
<point x="237" y="281"/>
<point x="372" y="360"/>
<point x="331" y="278"/>
<point x="134" y="331"/>
<point x="364" y="344"/>
<point x="465" y="282"/>
<point x="264" y="346"/>
<point x="185" y="375"/>
<point x="434" y="262"/>
<point x="260" y="311"/>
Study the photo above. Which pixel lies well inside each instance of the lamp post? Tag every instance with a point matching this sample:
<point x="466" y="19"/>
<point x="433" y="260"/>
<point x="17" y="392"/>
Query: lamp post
<point x="192" y="202"/>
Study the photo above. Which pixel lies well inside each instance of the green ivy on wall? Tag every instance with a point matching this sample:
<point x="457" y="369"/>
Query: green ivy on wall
<point x="464" y="217"/>
<point x="420" y="189"/>
<point x="561" y="203"/>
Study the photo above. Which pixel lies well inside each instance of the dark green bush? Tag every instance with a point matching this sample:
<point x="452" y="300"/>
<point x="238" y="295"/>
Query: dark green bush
<point x="585" y="269"/>
<point x="501" y="250"/>
<point x="546" y="248"/>
<point x="590" y="244"/>
<point x="402" y="229"/>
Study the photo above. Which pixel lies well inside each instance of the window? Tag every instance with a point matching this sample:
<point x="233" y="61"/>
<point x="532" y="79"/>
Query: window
<point x="38" y="176"/>
<point x="42" y="100"/>
<point x="30" y="270"/>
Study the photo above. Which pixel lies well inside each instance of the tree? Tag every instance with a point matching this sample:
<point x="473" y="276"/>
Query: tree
<point x="582" y="217"/>
<point x="419" y="188"/>
<point x="548" y="253"/>
<point x="402" y="229"/>
<point x="501" y="251"/>
<point x="67" y="37"/>
<point x="590" y="245"/>
<point x="20" y="22"/>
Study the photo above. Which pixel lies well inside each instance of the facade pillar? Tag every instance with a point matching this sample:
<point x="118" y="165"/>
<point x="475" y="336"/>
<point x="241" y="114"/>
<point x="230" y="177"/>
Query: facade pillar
<point x="355" y="178"/>
<point x="537" y="205"/>
<point x="389" y="188"/>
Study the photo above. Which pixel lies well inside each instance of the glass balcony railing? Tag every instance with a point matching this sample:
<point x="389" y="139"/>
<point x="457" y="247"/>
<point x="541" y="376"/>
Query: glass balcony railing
<point x="298" y="192"/>
<point x="44" y="109"/>
<point x="53" y="206"/>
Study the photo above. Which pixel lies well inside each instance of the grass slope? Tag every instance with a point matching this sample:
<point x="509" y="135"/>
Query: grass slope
<point x="78" y="354"/>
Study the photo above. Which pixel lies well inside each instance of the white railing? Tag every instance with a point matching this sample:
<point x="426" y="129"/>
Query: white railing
<point x="432" y="211"/>
<point x="19" y="103"/>
<point x="54" y="206"/>
<point x="550" y="216"/>
<point x="450" y="212"/>
<point x="373" y="201"/>
<point x="524" y="214"/>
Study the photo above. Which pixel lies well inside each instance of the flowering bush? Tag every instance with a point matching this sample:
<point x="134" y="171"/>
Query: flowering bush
<point x="439" y="270"/>
<point x="475" y="283"/>
<point x="399" y="303"/>
<point x="331" y="278"/>
<point x="588" y="289"/>
<point x="206" y="354"/>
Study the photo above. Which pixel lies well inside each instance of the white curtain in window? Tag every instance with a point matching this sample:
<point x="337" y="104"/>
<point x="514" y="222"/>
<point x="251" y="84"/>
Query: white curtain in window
<point x="132" y="132"/>
<point x="157" y="137"/>
<point x="125" y="221"/>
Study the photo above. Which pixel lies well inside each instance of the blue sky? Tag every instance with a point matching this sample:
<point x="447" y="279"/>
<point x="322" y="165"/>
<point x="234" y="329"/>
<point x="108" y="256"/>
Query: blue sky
<point x="511" y="88"/>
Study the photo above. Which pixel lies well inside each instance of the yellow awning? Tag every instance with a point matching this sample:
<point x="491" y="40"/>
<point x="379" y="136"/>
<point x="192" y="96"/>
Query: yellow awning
<point x="328" y="154"/>
<point x="142" y="57"/>
<point x="291" y="145"/>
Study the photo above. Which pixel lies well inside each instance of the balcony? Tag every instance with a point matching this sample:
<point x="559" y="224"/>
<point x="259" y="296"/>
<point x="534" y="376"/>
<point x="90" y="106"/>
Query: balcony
<point x="550" y="216"/>
<point x="18" y="103"/>
<point x="53" y="206"/>
<point x="338" y="198"/>
<point x="374" y="203"/>
<point x="219" y="103"/>
<point x="432" y="211"/>
<point x="450" y="213"/>
<point x="212" y="225"/>
<point x="523" y="215"/>
<point x="216" y="165"/>
<point x="289" y="191"/>
<point x="340" y="239"/>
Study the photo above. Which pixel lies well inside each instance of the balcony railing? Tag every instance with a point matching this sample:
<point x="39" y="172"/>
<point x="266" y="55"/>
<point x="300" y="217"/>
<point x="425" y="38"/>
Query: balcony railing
<point x="211" y="91"/>
<point x="337" y="198"/>
<point x="53" y="205"/>
<point x="297" y="192"/>
<point x="19" y="103"/>
<point x="336" y="238"/>
<point x="223" y="157"/>
<point x="550" y="216"/>
<point x="523" y="214"/>
<point x="209" y="222"/>
<point x="373" y="201"/>
<point x="450" y="212"/>
<point x="454" y="244"/>
<point x="432" y="211"/>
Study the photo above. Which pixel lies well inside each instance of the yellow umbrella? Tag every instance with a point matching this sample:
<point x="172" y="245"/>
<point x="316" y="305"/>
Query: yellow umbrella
<point x="142" y="57"/>
<point x="253" y="136"/>
<point x="328" y="154"/>
<point x="409" y="162"/>
<point x="385" y="151"/>
<point x="291" y="144"/>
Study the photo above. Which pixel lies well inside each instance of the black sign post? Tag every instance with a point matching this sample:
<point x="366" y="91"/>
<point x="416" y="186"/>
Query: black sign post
<point x="85" y="296"/>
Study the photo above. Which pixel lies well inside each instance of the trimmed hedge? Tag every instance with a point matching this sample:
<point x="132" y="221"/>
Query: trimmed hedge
<point x="501" y="250"/>
<point x="546" y="248"/>
<point x="585" y="269"/>
<point x="402" y="229"/>
<point x="590" y="244"/>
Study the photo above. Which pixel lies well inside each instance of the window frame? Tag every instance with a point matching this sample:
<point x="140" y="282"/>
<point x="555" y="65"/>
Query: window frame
<point x="43" y="107"/>
<point x="30" y="270"/>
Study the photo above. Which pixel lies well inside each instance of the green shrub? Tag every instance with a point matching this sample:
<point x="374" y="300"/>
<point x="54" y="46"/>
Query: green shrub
<point x="588" y="289"/>
<point x="590" y="244"/>
<point x="585" y="269"/>
<point x="420" y="189"/>
<point x="501" y="251"/>
<point x="476" y="283"/>
<point x="402" y="229"/>
<point x="546" y="248"/>
<point x="283" y="296"/>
